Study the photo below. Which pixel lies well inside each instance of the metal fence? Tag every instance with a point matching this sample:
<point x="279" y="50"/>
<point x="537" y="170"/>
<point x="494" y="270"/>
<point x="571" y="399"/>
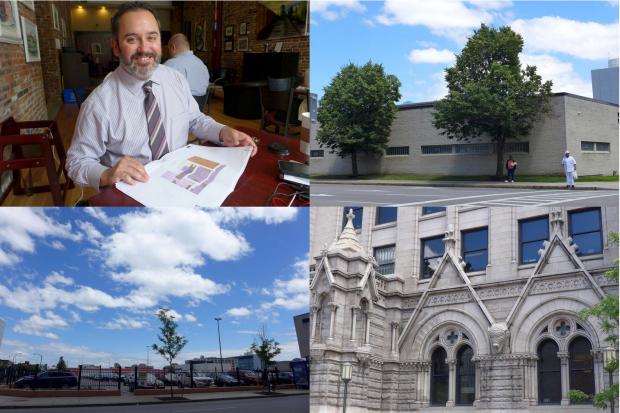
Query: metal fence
<point x="9" y="375"/>
<point x="98" y="378"/>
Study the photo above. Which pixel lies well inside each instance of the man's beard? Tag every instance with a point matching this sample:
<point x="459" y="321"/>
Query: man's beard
<point x="142" y="73"/>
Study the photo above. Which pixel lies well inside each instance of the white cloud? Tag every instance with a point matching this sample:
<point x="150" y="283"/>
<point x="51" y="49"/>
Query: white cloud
<point x="57" y="245"/>
<point x="190" y="318"/>
<point x="335" y="9"/>
<point x="19" y="228"/>
<point x="38" y="325"/>
<point x="97" y="213"/>
<point x="239" y="312"/>
<point x="564" y="77"/>
<point x="292" y="293"/>
<point x="125" y="323"/>
<point x="92" y="233"/>
<point x="584" y="40"/>
<point x="269" y="215"/>
<point x="491" y="4"/>
<point x="58" y="278"/>
<point x="431" y="55"/>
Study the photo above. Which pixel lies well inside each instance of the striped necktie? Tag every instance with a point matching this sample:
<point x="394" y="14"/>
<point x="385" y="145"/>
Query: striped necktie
<point x="157" y="134"/>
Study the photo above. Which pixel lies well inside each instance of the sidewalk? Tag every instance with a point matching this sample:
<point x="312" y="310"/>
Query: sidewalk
<point x="8" y="402"/>
<point x="471" y="184"/>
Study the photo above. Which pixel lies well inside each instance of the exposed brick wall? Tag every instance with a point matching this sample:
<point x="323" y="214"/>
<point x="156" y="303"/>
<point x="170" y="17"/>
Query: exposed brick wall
<point x="50" y="56"/>
<point x="234" y="13"/>
<point x="21" y="83"/>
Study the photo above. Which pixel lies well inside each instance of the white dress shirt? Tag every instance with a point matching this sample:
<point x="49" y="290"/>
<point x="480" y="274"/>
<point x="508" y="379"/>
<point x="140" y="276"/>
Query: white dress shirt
<point x="112" y="122"/>
<point x="194" y="70"/>
<point x="569" y="164"/>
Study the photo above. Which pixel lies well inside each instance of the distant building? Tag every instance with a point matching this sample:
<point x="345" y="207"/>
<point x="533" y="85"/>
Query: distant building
<point x="302" y="327"/>
<point x="605" y="82"/>
<point x="588" y="128"/>
<point x="211" y="364"/>
<point x="248" y="361"/>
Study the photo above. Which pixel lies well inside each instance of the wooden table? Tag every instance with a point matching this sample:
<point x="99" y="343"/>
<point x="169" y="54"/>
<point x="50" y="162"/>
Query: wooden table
<point x="255" y="186"/>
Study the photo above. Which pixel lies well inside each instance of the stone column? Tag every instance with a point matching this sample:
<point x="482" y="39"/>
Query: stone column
<point x="313" y="311"/>
<point x="426" y="383"/>
<point x="599" y="370"/>
<point x="564" y="374"/>
<point x="477" y="381"/>
<point x="394" y="344"/>
<point x="332" y="321"/>
<point x="367" y="332"/>
<point x="354" y="310"/>
<point x="534" y="380"/>
<point x="451" y="383"/>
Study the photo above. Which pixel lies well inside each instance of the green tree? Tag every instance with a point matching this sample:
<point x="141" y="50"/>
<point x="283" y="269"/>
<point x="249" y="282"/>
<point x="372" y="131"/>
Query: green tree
<point x="266" y="349"/>
<point x="606" y="311"/>
<point x="357" y="111"/>
<point x="172" y="343"/>
<point x="61" y="365"/>
<point x="489" y="93"/>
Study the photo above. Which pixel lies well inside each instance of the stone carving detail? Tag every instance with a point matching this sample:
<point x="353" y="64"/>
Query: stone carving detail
<point x="574" y="283"/>
<point x="499" y="336"/>
<point x="500" y="292"/>
<point x="603" y="281"/>
<point x="557" y="222"/>
<point x="410" y="303"/>
<point x="443" y="299"/>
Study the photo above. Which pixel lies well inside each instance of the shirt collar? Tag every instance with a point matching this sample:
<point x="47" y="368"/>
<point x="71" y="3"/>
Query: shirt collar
<point x="185" y="53"/>
<point x="133" y="84"/>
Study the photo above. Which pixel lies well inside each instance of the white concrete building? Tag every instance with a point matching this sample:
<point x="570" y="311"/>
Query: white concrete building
<point x="587" y="128"/>
<point x="458" y="309"/>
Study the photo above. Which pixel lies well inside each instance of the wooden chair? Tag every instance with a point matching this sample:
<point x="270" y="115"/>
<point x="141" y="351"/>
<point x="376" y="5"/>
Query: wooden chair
<point x="277" y="100"/>
<point x="35" y="151"/>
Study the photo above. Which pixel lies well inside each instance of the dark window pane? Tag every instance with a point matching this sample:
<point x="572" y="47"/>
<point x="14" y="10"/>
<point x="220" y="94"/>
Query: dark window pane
<point x="602" y="146"/>
<point x="475" y="261"/>
<point x="535" y="229"/>
<point x="587" y="146"/>
<point x="386" y="214"/>
<point x="385" y="259"/>
<point x="439" y="378"/>
<point x="432" y="210"/>
<point x="585" y="221"/>
<point x="549" y="380"/>
<point x="588" y="243"/>
<point x="432" y="252"/>
<point x="529" y="251"/>
<point x="357" y="220"/>
<point x="429" y="266"/>
<point x="581" y="366"/>
<point x="465" y="377"/>
<point x="475" y="240"/>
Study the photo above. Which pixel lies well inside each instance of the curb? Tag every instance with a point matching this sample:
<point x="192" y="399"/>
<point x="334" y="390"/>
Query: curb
<point x="457" y="185"/>
<point x="146" y="403"/>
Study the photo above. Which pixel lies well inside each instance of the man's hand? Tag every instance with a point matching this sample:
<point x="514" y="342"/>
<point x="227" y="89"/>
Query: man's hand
<point x="232" y="137"/>
<point x="127" y="170"/>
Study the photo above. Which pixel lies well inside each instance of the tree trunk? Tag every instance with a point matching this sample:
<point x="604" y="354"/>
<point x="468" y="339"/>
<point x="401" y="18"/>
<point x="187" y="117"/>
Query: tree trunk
<point x="499" y="170"/>
<point x="354" y="163"/>
<point x="170" y="372"/>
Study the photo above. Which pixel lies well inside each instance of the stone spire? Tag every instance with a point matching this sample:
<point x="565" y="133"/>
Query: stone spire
<point x="348" y="237"/>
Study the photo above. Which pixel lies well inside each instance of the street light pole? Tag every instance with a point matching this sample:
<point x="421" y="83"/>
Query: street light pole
<point x="218" y="319"/>
<point x="346" y="378"/>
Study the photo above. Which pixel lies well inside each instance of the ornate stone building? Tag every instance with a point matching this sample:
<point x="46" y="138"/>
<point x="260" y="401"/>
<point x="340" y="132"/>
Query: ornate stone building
<point x="464" y="308"/>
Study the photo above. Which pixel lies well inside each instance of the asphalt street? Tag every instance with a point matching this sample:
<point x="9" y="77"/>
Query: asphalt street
<point x="288" y="404"/>
<point x="394" y="195"/>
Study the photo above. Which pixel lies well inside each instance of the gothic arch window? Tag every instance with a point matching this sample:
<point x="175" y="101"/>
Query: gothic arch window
<point x="549" y="377"/>
<point x="581" y="365"/>
<point x="439" y="377"/>
<point x="465" y="376"/>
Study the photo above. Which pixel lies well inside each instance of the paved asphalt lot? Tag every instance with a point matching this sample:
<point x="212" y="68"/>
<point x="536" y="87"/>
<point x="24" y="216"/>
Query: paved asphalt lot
<point x="289" y="404"/>
<point x="371" y="195"/>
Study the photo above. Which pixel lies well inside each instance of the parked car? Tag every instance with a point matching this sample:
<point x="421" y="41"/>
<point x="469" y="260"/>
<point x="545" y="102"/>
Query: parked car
<point x="200" y="380"/>
<point x="168" y="379"/>
<point x="48" y="379"/>
<point x="285" y="377"/>
<point x="246" y="377"/>
<point x="145" y="380"/>
<point x="225" y="380"/>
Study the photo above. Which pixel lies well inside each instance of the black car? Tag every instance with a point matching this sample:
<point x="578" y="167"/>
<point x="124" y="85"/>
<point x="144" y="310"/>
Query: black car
<point x="48" y="379"/>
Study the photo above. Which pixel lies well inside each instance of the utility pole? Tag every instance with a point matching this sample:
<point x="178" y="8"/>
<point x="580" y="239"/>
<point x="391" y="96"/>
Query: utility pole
<point x="218" y="319"/>
<point x="148" y="348"/>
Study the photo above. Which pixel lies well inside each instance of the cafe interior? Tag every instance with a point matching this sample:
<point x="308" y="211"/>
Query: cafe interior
<point x="53" y="54"/>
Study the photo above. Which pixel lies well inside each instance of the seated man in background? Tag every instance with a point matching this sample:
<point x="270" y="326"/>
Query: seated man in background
<point x="140" y="112"/>
<point x="183" y="60"/>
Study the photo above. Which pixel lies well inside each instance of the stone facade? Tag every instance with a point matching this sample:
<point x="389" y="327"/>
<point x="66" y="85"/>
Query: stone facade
<point x="388" y="326"/>
<point x="573" y="119"/>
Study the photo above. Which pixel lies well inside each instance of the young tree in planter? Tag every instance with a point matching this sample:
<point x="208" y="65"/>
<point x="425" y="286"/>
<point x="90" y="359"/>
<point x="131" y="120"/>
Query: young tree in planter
<point x="266" y="349"/>
<point x="172" y="343"/>
<point x="606" y="311"/>
<point x="489" y="93"/>
<point x="61" y="365"/>
<point x="357" y="110"/>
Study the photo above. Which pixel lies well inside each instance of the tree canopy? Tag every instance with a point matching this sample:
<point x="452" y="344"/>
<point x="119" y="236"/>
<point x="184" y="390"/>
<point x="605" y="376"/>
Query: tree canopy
<point x="489" y="94"/>
<point x="357" y="111"/>
<point x="171" y="342"/>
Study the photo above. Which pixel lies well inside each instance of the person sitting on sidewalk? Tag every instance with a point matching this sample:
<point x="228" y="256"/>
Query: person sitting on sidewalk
<point x="511" y="167"/>
<point x="570" y="168"/>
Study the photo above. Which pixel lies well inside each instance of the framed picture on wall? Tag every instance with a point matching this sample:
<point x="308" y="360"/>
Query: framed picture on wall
<point x="31" y="41"/>
<point x="242" y="44"/>
<point x="229" y="30"/>
<point x="228" y="46"/>
<point x="95" y="48"/>
<point x="10" y="30"/>
<point x="199" y="40"/>
<point x="28" y="3"/>
<point x="243" y="28"/>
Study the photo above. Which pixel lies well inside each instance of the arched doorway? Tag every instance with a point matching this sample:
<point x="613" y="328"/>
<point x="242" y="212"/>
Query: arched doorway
<point x="465" y="377"/>
<point x="549" y="377"/>
<point x="439" y="377"/>
<point x="581" y="365"/>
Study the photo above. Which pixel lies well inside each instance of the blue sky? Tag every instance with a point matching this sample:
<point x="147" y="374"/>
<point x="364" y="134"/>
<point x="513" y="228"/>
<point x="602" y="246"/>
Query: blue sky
<point x="86" y="283"/>
<point x="416" y="39"/>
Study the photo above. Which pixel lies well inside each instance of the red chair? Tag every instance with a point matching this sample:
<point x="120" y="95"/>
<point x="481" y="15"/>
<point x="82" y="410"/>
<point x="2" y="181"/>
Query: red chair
<point x="35" y="151"/>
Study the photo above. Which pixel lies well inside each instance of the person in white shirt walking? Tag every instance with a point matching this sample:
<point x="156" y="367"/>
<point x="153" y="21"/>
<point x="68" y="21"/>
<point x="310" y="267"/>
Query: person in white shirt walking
<point x="570" y="168"/>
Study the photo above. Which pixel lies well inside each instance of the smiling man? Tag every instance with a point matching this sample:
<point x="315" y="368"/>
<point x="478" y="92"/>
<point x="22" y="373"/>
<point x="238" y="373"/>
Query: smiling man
<point x="140" y="112"/>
